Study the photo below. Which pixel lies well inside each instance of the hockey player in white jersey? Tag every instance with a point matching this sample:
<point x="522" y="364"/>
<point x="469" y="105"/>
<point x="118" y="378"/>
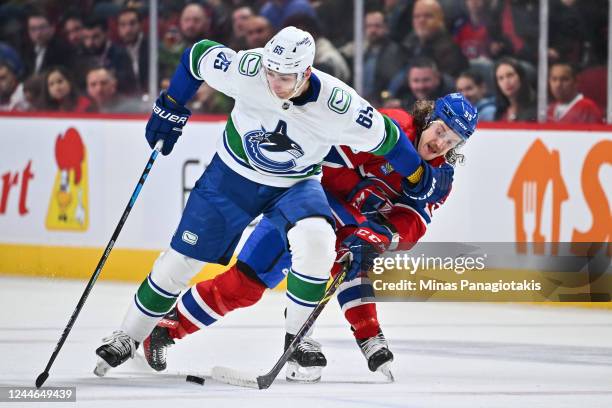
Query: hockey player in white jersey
<point x="286" y="117"/>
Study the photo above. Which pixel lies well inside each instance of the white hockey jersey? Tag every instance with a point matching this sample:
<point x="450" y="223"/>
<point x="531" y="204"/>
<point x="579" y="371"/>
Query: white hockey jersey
<point x="279" y="147"/>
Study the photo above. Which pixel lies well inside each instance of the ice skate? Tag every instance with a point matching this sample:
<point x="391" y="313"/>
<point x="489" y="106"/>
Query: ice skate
<point x="376" y="351"/>
<point x="117" y="348"/>
<point x="306" y="362"/>
<point x="156" y="345"/>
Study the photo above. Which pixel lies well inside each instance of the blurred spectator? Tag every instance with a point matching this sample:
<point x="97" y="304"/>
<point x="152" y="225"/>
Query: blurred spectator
<point x="515" y="98"/>
<point x="590" y="82"/>
<point x="11" y="90"/>
<point x="44" y="49"/>
<point x="596" y="15"/>
<point x="258" y="32"/>
<point x="453" y="10"/>
<point x="208" y="100"/>
<point x="129" y="28"/>
<point x="383" y="58"/>
<point x="567" y="32"/>
<point x="327" y="57"/>
<point x="193" y="26"/>
<point x="240" y="16"/>
<point x="33" y="90"/>
<point x="478" y="30"/>
<point x="194" y="23"/>
<point x="520" y="25"/>
<point x="13" y="24"/>
<point x="102" y="90"/>
<point x="429" y="38"/>
<point x="423" y="81"/>
<point x="100" y="51"/>
<point x="9" y="55"/>
<point x="61" y="94"/>
<point x="72" y="30"/>
<point x="170" y="51"/>
<point x="219" y="17"/>
<point x="568" y="105"/>
<point x="336" y="18"/>
<point x="399" y="18"/>
<point x="277" y="11"/>
<point x="473" y="87"/>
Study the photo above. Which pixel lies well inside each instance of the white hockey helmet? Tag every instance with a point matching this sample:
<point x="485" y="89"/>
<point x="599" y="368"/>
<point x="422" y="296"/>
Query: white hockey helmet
<point x="290" y="51"/>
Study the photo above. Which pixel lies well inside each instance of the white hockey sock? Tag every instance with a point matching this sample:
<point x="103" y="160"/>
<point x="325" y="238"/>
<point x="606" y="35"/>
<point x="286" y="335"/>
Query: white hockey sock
<point x="312" y="242"/>
<point x="158" y="293"/>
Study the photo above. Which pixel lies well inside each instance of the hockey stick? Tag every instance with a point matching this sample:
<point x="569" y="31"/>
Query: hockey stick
<point x="40" y="380"/>
<point x="244" y="379"/>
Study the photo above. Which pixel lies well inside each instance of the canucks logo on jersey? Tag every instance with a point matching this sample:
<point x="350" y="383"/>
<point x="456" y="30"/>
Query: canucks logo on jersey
<point x="274" y="151"/>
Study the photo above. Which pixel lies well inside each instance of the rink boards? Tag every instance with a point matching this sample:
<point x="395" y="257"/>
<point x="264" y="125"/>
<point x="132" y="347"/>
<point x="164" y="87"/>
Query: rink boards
<point x="64" y="183"/>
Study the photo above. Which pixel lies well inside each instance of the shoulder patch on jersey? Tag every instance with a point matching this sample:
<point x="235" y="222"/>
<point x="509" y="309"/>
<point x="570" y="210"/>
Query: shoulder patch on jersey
<point x="339" y="101"/>
<point x="249" y="64"/>
<point x="199" y="51"/>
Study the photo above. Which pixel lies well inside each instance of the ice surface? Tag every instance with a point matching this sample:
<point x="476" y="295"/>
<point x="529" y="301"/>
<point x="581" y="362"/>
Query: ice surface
<point x="447" y="354"/>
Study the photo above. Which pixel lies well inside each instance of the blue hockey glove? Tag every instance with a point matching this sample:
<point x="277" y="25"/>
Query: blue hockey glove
<point x="362" y="246"/>
<point x="166" y="122"/>
<point x="369" y="199"/>
<point x="435" y="184"/>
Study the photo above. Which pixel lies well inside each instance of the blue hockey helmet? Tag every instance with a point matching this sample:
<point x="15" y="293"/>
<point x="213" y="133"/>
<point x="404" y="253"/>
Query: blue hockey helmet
<point x="458" y="113"/>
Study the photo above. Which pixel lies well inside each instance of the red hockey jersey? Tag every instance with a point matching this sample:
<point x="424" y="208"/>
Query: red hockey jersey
<point x="344" y="168"/>
<point x="579" y="110"/>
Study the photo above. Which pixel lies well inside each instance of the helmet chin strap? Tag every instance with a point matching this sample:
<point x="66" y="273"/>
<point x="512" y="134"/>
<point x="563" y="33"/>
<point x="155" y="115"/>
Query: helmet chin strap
<point x="300" y="80"/>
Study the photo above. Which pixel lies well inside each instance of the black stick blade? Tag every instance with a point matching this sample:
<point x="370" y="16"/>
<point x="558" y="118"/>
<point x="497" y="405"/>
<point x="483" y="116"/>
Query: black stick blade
<point x="264" y="381"/>
<point x="41" y="379"/>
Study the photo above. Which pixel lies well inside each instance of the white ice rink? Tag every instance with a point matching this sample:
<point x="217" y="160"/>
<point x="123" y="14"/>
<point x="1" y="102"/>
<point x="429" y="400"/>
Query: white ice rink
<point x="447" y="354"/>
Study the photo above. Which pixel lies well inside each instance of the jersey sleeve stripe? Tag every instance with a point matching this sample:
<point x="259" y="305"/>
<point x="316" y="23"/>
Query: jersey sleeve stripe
<point x="199" y="51"/>
<point x="390" y="138"/>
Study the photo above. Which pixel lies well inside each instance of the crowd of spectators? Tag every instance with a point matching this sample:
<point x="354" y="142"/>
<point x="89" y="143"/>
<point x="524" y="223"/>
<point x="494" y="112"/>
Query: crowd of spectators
<point x="93" y="55"/>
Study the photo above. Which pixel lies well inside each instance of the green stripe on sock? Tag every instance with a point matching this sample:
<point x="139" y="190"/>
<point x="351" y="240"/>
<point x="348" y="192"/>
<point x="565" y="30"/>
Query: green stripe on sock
<point x="391" y="137"/>
<point x="152" y="300"/>
<point x="197" y="51"/>
<point x="310" y="292"/>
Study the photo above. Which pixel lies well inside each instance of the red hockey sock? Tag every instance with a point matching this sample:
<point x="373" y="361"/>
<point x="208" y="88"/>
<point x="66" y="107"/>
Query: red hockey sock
<point x="364" y="320"/>
<point x="227" y="291"/>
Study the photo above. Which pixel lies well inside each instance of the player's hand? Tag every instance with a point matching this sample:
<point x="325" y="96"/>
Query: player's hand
<point x="166" y="122"/>
<point x="435" y="184"/>
<point x="368" y="198"/>
<point x="362" y="246"/>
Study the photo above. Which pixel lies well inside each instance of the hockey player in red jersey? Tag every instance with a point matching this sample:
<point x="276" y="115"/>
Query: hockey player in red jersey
<point x="375" y="210"/>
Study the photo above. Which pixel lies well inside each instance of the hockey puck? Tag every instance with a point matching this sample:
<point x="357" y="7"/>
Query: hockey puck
<point x="195" y="379"/>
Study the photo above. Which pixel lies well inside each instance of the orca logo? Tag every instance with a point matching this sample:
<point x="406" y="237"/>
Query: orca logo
<point x="274" y="151"/>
